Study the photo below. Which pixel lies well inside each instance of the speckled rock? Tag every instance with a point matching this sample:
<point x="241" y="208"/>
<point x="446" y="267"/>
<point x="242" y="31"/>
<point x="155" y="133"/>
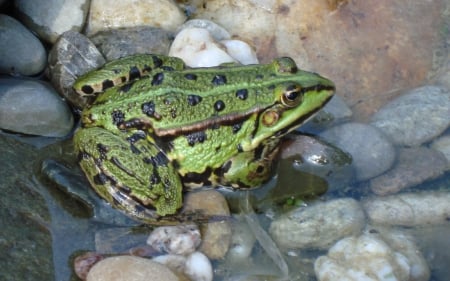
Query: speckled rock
<point x="356" y="138"/>
<point x="373" y="257"/>
<point x="408" y="171"/>
<point x="318" y="225"/>
<point x="71" y="56"/>
<point x="216" y="236"/>
<point x="33" y="107"/>
<point x="20" y="51"/>
<point x="409" y="209"/>
<point x="403" y="118"/>
<point x="128" y="268"/>
<point x="50" y="19"/>
<point x="130" y="13"/>
<point x="117" y="43"/>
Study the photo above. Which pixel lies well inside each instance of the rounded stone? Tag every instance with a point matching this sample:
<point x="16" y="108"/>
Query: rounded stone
<point x="129" y="268"/>
<point x="51" y="18"/>
<point x="318" y="225"/>
<point x="20" y="51"/>
<point x="415" y="117"/>
<point x="355" y="138"/>
<point x="33" y="107"/>
<point x="409" y="209"/>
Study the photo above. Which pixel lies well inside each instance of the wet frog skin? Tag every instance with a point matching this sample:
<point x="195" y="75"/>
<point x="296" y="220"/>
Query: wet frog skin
<point x="156" y="126"/>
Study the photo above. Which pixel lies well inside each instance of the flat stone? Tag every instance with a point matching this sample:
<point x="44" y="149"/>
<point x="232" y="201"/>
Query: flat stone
<point x="51" y="18"/>
<point x="408" y="171"/>
<point x="356" y="139"/>
<point x="33" y="107"/>
<point x="20" y="51"/>
<point x="403" y="118"/>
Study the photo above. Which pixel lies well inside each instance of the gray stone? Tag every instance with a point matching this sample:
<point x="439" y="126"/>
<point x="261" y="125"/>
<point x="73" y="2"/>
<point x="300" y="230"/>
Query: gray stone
<point x="50" y="19"/>
<point x="71" y="56"/>
<point x="371" y="151"/>
<point x="318" y="225"/>
<point x="117" y="43"/>
<point x="20" y="51"/>
<point x="415" y="117"/>
<point x="408" y="171"/>
<point x="442" y="144"/>
<point x="33" y="107"/>
<point x="409" y="209"/>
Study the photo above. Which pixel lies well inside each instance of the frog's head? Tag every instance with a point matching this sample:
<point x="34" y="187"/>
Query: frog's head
<point x="296" y="101"/>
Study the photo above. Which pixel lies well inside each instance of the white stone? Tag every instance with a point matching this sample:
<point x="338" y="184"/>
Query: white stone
<point x="240" y="51"/>
<point x="179" y="240"/>
<point x="198" y="267"/>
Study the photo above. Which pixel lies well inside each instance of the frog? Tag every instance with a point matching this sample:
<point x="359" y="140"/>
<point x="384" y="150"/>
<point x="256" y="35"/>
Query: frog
<point x="155" y="128"/>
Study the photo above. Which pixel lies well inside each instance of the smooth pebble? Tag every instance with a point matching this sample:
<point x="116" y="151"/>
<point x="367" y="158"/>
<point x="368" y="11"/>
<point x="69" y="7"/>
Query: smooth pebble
<point x="20" y="51"/>
<point x="33" y="107"/>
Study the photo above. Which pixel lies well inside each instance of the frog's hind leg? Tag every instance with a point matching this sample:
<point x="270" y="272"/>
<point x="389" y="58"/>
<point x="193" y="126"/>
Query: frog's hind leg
<point x="130" y="172"/>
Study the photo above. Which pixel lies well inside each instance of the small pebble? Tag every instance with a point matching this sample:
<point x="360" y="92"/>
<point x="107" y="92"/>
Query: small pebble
<point x="408" y="172"/>
<point x="51" y="18"/>
<point x="318" y="225"/>
<point x="416" y="117"/>
<point x="198" y="267"/>
<point x="33" y="107"/>
<point x="216" y="236"/>
<point x="409" y="209"/>
<point x="179" y="240"/>
<point x="371" y="150"/>
<point x="218" y="32"/>
<point x="20" y="51"/>
<point x="128" y="268"/>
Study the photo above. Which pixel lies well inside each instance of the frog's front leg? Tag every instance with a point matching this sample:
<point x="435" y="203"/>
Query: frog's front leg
<point x="251" y="168"/>
<point x="129" y="171"/>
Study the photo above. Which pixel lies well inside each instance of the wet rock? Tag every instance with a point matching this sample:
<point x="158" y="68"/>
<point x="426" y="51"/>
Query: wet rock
<point x="118" y="43"/>
<point x="71" y="56"/>
<point x="390" y="256"/>
<point x="413" y="166"/>
<point x="242" y="242"/>
<point x="319" y="158"/>
<point x="403" y="118"/>
<point x="129" y="13"/>
<point x="33" y="107"/>
<point x="128" y="268"/>
<point x="20" y="51"/>
<point x="442" y="144"/>
<point x="318" y="225"/>
<point x="50" y="19"/>
<point x="371" y="151"/>
<point x="216" y="236"/>
<point x="178" y="240"/>
<point x="409" y="209"/>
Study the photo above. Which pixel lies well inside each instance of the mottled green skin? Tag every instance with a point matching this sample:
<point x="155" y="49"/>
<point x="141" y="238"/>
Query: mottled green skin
<point x="141" y="142"/>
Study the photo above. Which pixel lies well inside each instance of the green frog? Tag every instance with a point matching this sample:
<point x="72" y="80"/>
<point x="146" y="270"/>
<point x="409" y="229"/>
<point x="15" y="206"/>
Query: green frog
<point x="156" y="128"/>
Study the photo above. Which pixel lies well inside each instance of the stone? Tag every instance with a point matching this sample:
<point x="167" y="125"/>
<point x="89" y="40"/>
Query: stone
<point x="318" y="225"/>
<point x="356" y="138"/>
<point x="408" y="171"/>
<point x="20" y="51"/>
<point x="409" y="209"/>
<point x="129" y="268"/>
<point x="216" y="236"/>
<point x="50" y="19"/>
<point x="402" y="119"/>
<point x="33" y="107"/>
<point x="129" y="13"/>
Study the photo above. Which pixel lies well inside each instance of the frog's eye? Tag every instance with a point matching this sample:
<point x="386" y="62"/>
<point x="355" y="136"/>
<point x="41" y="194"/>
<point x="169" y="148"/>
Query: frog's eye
<point x="292" y="96"/>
